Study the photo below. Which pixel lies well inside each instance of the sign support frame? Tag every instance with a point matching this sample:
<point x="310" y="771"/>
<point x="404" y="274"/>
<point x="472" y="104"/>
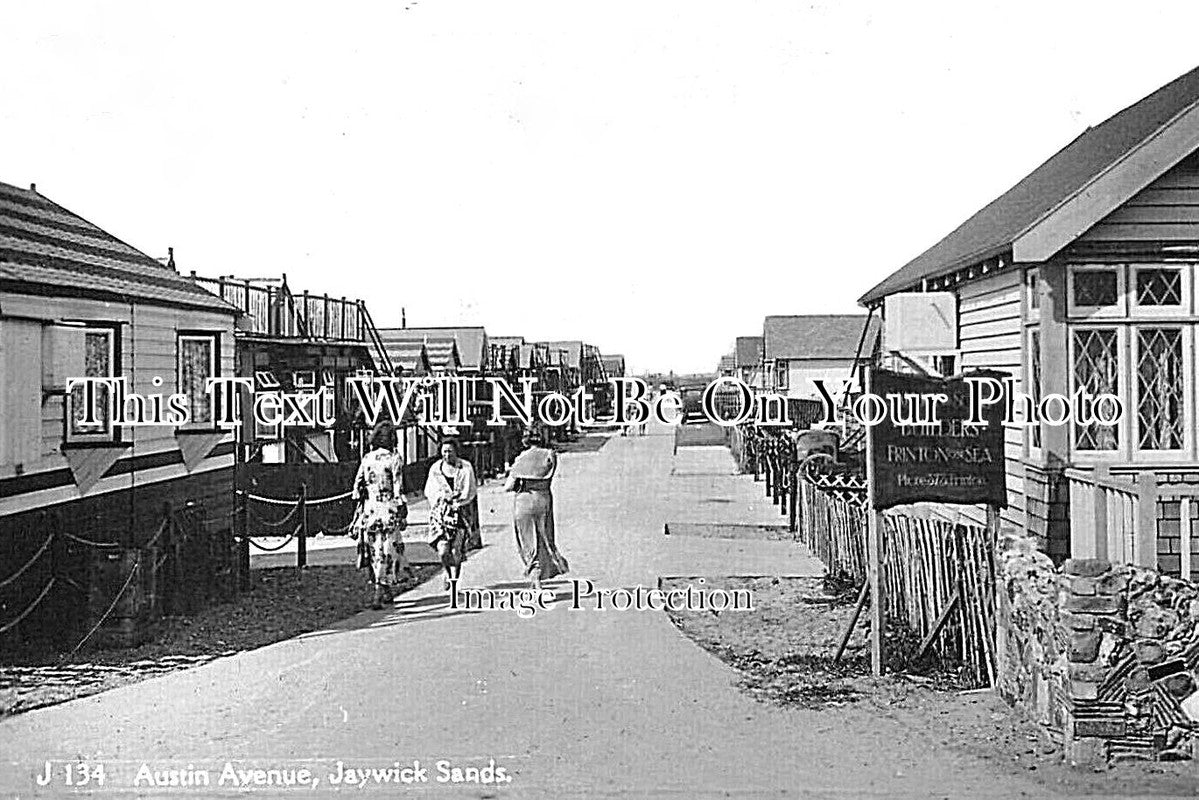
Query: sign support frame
<point x="874" y="540"/>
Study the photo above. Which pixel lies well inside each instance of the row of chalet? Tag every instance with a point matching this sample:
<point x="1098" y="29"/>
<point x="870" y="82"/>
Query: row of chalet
<point x="76" y="301"/>
<point x="792" y="352"/>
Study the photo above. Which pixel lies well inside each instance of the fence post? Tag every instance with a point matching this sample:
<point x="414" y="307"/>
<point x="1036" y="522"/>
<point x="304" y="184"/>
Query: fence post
<point x="1099" y="497"/>
<point x="302" y="538"/>
<point x="793" y="498"/>
<point x="785" y="484"/>
<point x="1145" y="554"/>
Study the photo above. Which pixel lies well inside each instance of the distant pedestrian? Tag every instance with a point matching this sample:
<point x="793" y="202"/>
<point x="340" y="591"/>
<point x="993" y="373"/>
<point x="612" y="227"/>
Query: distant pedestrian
<point x="382" y="513"/>
<point x="450" y="489"/>
<point x="533" y="510"/>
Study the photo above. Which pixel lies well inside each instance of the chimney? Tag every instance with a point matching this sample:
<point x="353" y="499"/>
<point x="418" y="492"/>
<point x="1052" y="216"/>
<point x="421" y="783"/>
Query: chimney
<point x="33" y="187"/>
<point x="171" y="258"/>
<point x="403" y="317"/>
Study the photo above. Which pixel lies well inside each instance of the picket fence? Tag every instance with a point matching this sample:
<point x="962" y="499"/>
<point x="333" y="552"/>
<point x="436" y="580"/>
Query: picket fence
<point x="937" y="578"/>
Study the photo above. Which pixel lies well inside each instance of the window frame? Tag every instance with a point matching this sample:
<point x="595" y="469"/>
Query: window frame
<point x="1032" y="299"/>
<point x="1123" y="448"/>
<point x="1186" y="452"/>
<point x="782" y="374"/>
<point x="1185" y="302"/>
<point x="1034" y="436"/>
<point x="113" y="433"/>
<point x="1118" y="309"/>
<point x="214" y="338"/>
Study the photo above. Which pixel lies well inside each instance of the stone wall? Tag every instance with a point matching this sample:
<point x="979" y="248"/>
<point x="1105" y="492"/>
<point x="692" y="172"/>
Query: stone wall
<point x="1104" y="655"/>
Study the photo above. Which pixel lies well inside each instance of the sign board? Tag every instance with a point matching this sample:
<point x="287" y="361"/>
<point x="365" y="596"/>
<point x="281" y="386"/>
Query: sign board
<point x="950" y="462"/>
<point x="920" y="322"/>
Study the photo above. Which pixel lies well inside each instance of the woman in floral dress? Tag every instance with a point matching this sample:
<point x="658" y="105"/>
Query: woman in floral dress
<point x="450" y="489"/>
<point x="382" y="513"/>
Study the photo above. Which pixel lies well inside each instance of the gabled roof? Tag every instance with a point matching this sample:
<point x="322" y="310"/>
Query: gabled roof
<point x="573" y="353"/>
<point x="44" y="245"/>
<point x="471" y="341"/>
<point x="748" y="352"/>
<point x="1131" y="149"/>
<point x="442" y="352"/>
<point x="411" y="357"/>
<point x="613" y="365"/>
<point x="827" y="336"/>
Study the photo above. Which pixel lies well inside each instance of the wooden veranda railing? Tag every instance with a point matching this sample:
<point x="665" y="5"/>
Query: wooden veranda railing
<point x="271" y="309"/>
<point x="1113" y="517"/>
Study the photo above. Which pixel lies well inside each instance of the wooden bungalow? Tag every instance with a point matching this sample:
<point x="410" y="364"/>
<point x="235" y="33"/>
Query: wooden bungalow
<point x="470" y="344"/>
<point x="614" y="365"/>
<point x="423" y="355"/>
<point x="796" y="350"/>
<point x="1083" y="276"/>
<point x="75" y="302"/>
<point x="567" y="359"/>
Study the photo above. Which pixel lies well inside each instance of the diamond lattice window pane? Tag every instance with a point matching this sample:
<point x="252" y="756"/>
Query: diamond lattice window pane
<point x="1159" y="287"/>
<point x="1095" y="288"/>
<point x="1159" y="388"/>
<point x="1096" y="370"/>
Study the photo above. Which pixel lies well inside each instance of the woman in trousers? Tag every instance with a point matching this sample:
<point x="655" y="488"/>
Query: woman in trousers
<point x="533" y="510"/>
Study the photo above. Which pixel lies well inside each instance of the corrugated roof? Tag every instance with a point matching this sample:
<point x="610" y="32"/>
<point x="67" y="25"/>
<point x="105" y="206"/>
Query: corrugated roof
<point x="472" y="341"/>
<point x="817" y="336"/>
<point x="748" y="352"/>
<point x="43" y="244"/>
<point x="991" y="231"/>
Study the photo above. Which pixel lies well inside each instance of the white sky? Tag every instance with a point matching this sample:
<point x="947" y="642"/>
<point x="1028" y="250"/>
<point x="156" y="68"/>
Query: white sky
<point x="652" y="177"/>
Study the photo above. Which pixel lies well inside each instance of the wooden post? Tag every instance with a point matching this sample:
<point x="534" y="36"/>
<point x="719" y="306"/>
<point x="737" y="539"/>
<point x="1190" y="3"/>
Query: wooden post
<point x="874" y="541"/>
<point x="302" y="537"/>
<point x="793" y="500"/>
<point x="1184" y="538"/>
<point x="1099" y="523"/>
<point x="1145" y="554"/>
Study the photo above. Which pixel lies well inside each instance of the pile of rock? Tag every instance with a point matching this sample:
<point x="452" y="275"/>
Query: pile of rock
<point x="1103" y="654"/>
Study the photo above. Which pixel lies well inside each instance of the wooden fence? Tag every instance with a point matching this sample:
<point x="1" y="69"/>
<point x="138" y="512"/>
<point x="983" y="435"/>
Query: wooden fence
<point x="937" y="578"/>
